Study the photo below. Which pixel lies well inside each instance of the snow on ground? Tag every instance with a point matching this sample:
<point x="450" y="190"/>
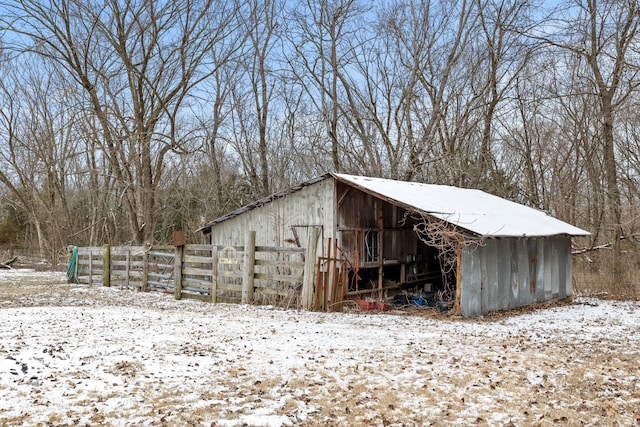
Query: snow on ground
<point x="80" y="355"/>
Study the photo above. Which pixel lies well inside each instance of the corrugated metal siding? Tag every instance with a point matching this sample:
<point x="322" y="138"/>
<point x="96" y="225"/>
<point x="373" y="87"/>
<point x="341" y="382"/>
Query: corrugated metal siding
<point x="548" y="270"/>
<point x="503" y="265"/>
<point x="524" y="296"/>
<point x="513" y="261"/>
<point x="555" y="270"/>
<point x="273" y="222"/>
<point x="540" y="271"/>
<point x="490" y="277"/>
<point x="564" y="267"/>
<point x="510" y="273"/>
<point x="568" y="285"/>
<point x="471" y="297"/>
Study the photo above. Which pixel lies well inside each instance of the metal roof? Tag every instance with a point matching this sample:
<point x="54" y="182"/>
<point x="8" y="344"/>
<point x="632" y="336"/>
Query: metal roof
<point x="474" y="210"/>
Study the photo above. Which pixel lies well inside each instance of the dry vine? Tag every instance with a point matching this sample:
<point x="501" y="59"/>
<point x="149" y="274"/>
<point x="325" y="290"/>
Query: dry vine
<point x="449" y="242"/>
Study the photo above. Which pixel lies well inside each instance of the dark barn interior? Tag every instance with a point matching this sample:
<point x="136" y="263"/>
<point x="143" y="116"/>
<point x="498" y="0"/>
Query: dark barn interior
<point x="385" y="256"/>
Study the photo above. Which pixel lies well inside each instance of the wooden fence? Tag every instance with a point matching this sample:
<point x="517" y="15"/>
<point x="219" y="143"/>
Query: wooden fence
<point x="245" y="274"/>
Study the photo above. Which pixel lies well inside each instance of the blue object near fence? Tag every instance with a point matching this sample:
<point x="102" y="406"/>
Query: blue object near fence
<point x="72" y="269"/>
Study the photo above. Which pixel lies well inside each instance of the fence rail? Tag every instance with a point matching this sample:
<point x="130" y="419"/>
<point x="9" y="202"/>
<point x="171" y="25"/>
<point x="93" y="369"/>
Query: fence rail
<point x="215" y="273"/>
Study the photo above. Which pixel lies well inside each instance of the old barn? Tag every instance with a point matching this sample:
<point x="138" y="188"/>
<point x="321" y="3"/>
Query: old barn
<point x="460" y="249"/>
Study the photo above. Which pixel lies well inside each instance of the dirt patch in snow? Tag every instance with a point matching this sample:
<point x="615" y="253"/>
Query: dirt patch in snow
<point x="79" y="355"/>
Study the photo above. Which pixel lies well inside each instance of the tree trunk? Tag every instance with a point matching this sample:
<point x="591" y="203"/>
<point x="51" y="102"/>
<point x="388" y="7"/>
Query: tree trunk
<point x="613" y="191"/>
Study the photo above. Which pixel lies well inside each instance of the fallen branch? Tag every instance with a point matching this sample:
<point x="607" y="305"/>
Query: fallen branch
<point x="6" y="265"/>
<point x="630" y="237"/>
<point x="591" y="249"/>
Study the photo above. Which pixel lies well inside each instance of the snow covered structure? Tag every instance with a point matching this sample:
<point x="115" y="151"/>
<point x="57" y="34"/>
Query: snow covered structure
<point x="467" y="249"/>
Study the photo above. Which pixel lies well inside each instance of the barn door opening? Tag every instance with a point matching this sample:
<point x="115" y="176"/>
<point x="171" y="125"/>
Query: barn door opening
<point x="413" y="272"/>
<point x="446" y="241"/>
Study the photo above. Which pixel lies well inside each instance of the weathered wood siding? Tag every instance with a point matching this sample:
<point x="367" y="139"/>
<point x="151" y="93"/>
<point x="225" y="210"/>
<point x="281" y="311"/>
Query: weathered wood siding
<point x="276" y="221"/>
<point x="514" y="272"/>
<point x="358" y="215"/>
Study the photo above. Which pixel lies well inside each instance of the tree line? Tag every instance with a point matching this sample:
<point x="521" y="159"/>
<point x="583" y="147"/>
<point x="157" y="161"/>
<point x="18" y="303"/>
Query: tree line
<point x="124" y="120"/>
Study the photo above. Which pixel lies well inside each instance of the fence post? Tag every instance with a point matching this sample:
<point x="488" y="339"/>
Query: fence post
<point x="309" y="269"/>
<point x="91" y="268"/>
<point x="214" y="274"/>
<point x="179" y="242"/>
<point x="177" y="272"/>
<point x="249" y="267"/>
<point x="127" y="267"/>
<point x="145" y="269"/>
<point x="106" y="265"/>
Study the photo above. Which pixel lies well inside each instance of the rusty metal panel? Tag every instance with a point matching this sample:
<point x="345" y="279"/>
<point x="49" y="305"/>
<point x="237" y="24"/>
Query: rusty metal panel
<point x="555" y="271"/>
<point x="540" y="270"/>
<point x="470" y="294"/>
<point x="524" y="292"/>
<point x="492" y="258"/>
<point x="489" y="269"/>
<point x="548" y="270"/>
<point x="179" y="239"/>
<point x="515" y="283"/>
<point x="514" y="272"/>
<point x="504" y="273"/>
<point x="532" y="253"/>
<point x="563" y="254"/>
<point x="569" y="266"/>
<point x="484" y="290"/>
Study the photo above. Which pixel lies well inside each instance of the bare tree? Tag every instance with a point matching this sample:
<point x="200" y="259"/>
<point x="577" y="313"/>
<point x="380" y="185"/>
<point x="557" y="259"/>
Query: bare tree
<point x="262" y="22"/>
<point x="600" y="38"/>
<point x="137" y="63"/>
<point x="433" y="42"/>
<point x="322" y="36"/>
<point x="503" y="55"/>
<point x="38" y="150"/>
<point x="253" y="93"/>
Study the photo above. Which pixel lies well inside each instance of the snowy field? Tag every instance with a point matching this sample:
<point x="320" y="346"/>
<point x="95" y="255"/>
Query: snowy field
<point x="79" y="355"/>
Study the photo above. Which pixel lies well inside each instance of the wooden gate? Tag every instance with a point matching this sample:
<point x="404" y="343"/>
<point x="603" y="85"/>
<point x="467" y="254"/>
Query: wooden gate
<point x="331" y="279"/>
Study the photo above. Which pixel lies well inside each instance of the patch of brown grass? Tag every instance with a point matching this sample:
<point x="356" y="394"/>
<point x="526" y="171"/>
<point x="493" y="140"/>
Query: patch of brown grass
<point x="126" y="368"/>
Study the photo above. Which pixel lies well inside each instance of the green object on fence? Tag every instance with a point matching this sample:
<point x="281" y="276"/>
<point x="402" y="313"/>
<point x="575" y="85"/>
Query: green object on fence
<point x="72" y="269"/>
